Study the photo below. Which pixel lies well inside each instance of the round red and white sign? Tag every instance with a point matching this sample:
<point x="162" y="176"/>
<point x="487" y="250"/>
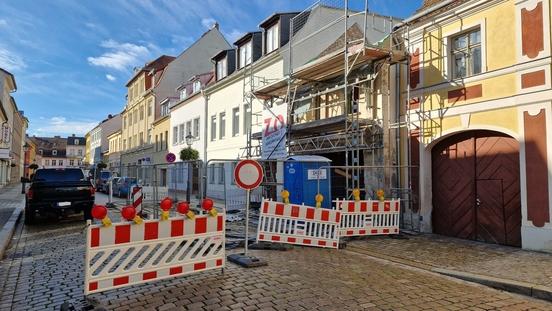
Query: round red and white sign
<point x="248" y="174"/>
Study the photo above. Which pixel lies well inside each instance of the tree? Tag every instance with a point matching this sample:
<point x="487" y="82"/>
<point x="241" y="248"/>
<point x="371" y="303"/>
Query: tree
<point x="33" y="166"/>
<point x="189" y="154"/>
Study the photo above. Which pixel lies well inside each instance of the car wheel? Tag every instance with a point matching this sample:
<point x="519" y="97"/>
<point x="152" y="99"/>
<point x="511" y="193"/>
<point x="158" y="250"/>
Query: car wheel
<point x="29" y="215"/>
<point x="87" y="213"/>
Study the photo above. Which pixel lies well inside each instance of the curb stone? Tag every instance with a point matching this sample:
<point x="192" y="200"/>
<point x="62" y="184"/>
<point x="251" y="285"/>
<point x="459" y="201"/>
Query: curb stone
<point x="9" y="228"/>
<point x="517" y="287"/>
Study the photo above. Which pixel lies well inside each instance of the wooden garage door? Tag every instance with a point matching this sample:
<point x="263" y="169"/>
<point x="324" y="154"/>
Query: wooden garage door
<point x="476" y="187"/>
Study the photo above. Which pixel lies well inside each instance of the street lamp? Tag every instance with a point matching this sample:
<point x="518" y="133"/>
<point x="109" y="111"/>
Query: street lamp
<point x="189" y="142"/>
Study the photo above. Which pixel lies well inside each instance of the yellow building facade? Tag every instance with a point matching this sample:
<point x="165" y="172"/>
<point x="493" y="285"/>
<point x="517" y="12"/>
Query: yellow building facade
<point x="478" y="95"/>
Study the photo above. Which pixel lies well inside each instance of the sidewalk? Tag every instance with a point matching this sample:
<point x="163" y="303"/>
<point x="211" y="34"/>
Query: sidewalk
<point x="10" y="198"/>
<point x="527" y="272"/>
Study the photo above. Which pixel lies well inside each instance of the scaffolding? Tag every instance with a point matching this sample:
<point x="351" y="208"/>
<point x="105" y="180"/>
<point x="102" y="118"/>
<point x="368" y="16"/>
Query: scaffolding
<point x="353" y="76"/>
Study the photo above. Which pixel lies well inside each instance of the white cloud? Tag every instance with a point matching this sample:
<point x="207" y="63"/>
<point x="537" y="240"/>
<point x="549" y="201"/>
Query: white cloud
<point x="207" y="22"/>
<point x="233" y="35"/>
<point x="61" y="126"/>
<point x="121" y="56"/>
<point x="110" y="77"/>
<point x="11" y="61"/>
<point x="3" y="22"/>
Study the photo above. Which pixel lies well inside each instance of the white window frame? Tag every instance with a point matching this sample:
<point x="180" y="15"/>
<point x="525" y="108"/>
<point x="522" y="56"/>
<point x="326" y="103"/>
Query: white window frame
<point x="222" y="125"/>
<point x="196" y="86"/>
<point x="183" y="94"/>
<point x="214" y="127"/>
<point x="245" y="53"/>
<point x="182" y="131"/>
<point x="235" y="121"/>
<point x="447" y="46"/>
<point x="196" y="128"/>
<point x="175" y="135"/>
<point x="222" y="68"/>
<point x="272" y="38"/>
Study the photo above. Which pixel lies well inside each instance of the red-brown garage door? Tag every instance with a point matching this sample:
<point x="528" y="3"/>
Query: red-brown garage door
<point x="476" y="187"/>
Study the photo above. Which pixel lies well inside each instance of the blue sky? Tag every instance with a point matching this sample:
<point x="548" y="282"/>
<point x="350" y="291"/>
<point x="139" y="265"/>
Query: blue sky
<point x="71" y="59"/>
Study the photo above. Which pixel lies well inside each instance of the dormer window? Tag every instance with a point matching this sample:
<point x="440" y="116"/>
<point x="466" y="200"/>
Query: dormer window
<point x="245" y="52"/>
<point x="197" y="86"/>
<point x="40" y="151"/>
<point x="164" y="109"/>
<point x="183" y="93"/>
<point x="222" y="68"/>
<point x="76" y="141"/>
<point x="54" y="152"/>
<point x="272" y="38"/>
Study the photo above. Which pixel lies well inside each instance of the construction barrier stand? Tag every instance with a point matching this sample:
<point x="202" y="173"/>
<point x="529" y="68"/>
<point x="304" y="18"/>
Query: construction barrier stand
<point x="298" y="224"/>
<point x="137" y="198"/>
<point x="369" y="217"/>
<point x="127" y="254"/>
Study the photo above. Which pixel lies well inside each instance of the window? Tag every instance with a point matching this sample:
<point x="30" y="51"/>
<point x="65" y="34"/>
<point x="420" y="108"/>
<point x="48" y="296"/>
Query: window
<point x="79" y="152"/>
<point x="196" y="128"/>
<point x="175" y="135"/>
<point x="72" y="162"/>
<point x="40" y="151"/>
<point x="235" y="121"/>
<point x="183" y="93"/>
<point x="54" y="162"/>
<point x="213" y="127"/>
<point x="54" y="152"/>
<point x="246" y="118"/>
<point x="141" y="138"/>
<point x="124" y="122"/>
<point x="156" y="143"/>
<point x="245" y="54"/>
<point x="222" y="68"/>
<point x="150" y="107"/>
<point x="188" y="128"/>
<point x="135" y="116"/>
<point x="182" y="133"/>
<point x="60" y="162"/>
<point x="141" y="113"/>
<point x="211" y="173"/>
<point x="71" y="152"/>
<point x="466" y="54"/>
<point x="76" y="141"/>
<point x="161" y="141"/>
<point x="166" y="140"/>
<point x="222" y="126"/>
<point x="221" y="173"/>
<point x="130" y="142"/>
<point x="149" y="136"/>
<point x="47" y="162"/>
<point x="135" y="140"/>
<point x="164" y="109"/>
<point x="272" y="38"/>
<point x="124" y="144"/>
<point x="197" y="86"/>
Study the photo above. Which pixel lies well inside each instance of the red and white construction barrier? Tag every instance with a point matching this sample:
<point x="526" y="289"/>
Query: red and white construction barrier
<point x="137" y="197"/>
<point x="298" y="224"/>
<point x="126" y="254"/>
<point x="368" y="217"/>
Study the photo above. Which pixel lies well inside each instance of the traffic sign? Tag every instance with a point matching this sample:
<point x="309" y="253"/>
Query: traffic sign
<point x="248" y="174"/>
<point x="170" y="157"/>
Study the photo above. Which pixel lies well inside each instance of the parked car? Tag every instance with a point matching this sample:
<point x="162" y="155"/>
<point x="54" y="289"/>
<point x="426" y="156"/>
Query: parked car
<point x="105" y="187"/>
<point x="123" y="185"/>
<point x="102" y="179"/>
<point x="59" y="190"/>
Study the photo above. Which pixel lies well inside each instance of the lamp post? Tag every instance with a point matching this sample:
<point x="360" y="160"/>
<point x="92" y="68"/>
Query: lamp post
<point x="189" y="142"/>
<point x="25" y="166"/>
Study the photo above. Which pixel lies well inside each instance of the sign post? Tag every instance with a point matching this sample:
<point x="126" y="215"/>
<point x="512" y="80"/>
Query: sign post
<point x="248" y="175"/>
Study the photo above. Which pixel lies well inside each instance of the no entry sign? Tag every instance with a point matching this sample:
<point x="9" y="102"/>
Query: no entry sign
<point x="248" y="174"/>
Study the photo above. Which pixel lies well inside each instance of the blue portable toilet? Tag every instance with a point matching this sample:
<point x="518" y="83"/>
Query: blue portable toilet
<point x="300" y="179"/>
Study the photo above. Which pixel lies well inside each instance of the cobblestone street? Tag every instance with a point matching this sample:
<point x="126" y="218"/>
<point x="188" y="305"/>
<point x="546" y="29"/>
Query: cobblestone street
<point x="43" y="268"/>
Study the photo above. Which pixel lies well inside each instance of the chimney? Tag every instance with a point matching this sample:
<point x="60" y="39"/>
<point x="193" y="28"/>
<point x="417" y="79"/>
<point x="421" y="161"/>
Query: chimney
<point x="72" y="135"/>
<point x="215" y="25"/>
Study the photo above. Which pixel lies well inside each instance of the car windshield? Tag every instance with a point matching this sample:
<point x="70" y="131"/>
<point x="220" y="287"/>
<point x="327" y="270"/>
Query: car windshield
<point x="59" y="175"/>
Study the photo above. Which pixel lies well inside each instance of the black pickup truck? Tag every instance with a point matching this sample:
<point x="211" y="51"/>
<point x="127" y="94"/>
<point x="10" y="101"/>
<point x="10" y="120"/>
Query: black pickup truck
<point x="59" y="191"/>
